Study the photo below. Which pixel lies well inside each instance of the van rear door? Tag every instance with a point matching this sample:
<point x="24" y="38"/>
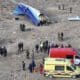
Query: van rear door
<point x="59" y="71"/>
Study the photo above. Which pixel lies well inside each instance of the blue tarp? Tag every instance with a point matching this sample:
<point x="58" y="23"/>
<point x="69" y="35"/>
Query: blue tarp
<point x="30" y="12"/>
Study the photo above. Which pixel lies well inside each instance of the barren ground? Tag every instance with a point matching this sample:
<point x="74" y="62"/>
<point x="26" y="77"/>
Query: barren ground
<point x="10" y="34"/>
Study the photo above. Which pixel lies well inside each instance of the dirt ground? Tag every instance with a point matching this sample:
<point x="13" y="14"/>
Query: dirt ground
<point x="10" y="35"/>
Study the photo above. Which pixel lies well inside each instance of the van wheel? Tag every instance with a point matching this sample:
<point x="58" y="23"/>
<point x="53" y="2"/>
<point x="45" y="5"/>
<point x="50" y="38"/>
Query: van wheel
<point x="44" y="74"/>
<point x="50" y="76"/>
<point x="73" y="77"/>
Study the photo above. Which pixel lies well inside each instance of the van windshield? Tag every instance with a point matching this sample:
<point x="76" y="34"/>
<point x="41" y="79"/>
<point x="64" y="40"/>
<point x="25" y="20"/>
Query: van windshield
<point x="73" y="66"/>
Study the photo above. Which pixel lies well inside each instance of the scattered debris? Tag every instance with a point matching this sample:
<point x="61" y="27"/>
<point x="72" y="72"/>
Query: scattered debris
<point x="75" y="18"/>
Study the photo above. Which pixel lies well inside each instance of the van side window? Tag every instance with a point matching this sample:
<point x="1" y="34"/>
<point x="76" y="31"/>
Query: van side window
<point x="69" y="68"/>
<point x="59" y="68"/>
<point x="77" y="57"/>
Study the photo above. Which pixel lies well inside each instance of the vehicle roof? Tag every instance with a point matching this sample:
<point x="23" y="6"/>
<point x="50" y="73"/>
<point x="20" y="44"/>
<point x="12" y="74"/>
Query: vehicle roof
<point x="61" y="52"/>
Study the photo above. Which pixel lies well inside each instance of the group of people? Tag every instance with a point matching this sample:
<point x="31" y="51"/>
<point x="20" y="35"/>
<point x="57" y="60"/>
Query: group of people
<point x="31" y="66"/>
<point x="45" y="46"/>
<point x="61" y="46"/>
<point x="42" y="47"/>
<point x="3" y="51"/>
<point x="62" y="7"/>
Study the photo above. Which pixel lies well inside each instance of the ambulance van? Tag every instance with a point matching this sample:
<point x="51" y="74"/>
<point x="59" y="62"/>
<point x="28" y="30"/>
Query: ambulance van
<point x="60" y="67"/>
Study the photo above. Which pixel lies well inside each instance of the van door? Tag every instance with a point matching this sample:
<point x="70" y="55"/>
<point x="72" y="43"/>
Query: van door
<point x="69" y="71"/>
<point x="59" y="71"/>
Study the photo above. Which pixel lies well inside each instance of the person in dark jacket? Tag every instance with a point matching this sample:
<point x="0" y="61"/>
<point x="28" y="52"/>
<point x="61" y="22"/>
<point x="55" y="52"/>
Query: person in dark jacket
<point x="23" y="66"/>
<point x="41" y="46"/>
<point x="70" y="9"/>
<point x="69" y="46"/>
<point x="30" y="68"/>
<point x="33" y="64"/>
<point x="22" y="27"/>
<point x="56" y="46"/>
<point x="4" y="50"/>
<point x="27" y="54"/>
<point x="62" y="35"/>
<point x="1" y="52"/>
<point x="45" y="46"/>
<point x="62" y="46"/>
<point x="52" y="45"/>
<point x="59" y="7"/>
<point x="37" y="48"/>
<point x="20" y="46"/>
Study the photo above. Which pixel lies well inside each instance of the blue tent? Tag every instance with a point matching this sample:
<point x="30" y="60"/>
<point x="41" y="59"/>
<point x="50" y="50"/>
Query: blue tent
<point x="32" y="13"/>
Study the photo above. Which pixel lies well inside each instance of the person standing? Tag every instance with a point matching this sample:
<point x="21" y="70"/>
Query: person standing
<point x="30" y="68"/>
<point x="58" y="36"/>
<point x="37" y="48"/>
<point x="32" y="54"/>
<point x="62" y="46"/>
<point x="63" y="6"/>
<point x="1" y="51"/>
<point x="22" y="27"/>
<point x="59" y="7"/>
<point x="20" y="46"/>
<point x="41" y="46"/>
<point x="41" y="68"/>
<point x="4" y="51"/>
<point x="27" y="54"/>
<point x="33" y="64"/>
<point x="69" y="46"/>
<point x="62" y="35"/>
<point x="70" y="9"/>
<point x="23" y="66"/>
<point x="56" y="46"/>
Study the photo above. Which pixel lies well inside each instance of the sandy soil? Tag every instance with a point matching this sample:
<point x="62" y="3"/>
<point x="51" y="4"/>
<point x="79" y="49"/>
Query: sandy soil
<point x="10" y="35"/>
